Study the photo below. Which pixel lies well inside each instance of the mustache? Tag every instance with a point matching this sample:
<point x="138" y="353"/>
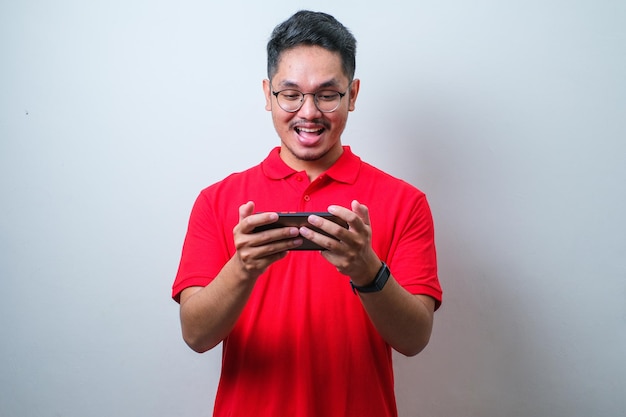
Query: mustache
<point x="299" y="123"/>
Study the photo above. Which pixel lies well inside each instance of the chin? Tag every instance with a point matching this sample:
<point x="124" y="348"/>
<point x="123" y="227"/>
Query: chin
<point x="310" y="155"/>
<point x="304" y="153"/>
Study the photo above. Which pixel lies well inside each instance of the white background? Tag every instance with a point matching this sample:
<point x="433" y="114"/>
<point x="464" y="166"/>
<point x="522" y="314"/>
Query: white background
<point x="509" y="115"/>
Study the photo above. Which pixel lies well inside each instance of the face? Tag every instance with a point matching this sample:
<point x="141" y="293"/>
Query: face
<point x="310" y="139"/>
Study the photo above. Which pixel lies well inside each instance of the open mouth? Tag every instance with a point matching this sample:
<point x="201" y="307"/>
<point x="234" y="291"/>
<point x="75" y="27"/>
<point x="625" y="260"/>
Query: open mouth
<point x="309" y="131"/>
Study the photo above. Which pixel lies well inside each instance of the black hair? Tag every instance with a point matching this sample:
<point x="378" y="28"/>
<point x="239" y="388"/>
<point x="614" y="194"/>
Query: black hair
<point x="312" y="29"/>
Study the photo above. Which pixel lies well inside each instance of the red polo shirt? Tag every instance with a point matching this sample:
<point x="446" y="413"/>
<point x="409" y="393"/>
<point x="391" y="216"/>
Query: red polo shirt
<point x="304" y="345"/>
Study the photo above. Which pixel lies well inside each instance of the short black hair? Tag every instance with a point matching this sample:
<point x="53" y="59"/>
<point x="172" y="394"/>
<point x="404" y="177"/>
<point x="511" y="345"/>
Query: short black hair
<point x="312" y="29"/>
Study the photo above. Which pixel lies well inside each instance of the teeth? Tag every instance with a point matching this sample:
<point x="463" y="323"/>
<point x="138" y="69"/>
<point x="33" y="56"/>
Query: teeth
<point x="305" y="130"/>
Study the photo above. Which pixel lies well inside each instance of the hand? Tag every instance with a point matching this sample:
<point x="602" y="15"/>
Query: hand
<point x="352" y="253"/>
<point x="257" y="251"/>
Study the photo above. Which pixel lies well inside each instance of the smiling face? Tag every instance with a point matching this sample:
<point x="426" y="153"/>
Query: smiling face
<point x="310" y="139"/>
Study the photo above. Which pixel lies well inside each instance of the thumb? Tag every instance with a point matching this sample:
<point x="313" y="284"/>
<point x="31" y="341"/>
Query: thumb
<point x="362" y="211"/>
<point x="246" y="210"/>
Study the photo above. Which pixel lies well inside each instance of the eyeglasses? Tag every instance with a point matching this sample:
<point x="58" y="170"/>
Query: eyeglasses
<point x="326" y="101"/>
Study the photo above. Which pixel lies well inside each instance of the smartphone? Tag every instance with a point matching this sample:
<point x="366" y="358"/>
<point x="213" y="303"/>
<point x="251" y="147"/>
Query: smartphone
<point x="300" y="219"/>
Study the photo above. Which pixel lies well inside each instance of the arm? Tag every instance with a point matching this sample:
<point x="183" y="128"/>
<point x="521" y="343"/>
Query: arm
<point x="208" y="314"/>
<point x="403" y="320"/>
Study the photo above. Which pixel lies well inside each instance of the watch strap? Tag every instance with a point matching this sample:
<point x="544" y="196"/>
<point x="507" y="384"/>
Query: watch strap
<point x="379" y="282"/>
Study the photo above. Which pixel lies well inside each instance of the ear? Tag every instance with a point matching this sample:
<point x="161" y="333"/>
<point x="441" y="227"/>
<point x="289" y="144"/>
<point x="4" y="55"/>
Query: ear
<point x="354" y="92"/>
<point x="267" y="89"/>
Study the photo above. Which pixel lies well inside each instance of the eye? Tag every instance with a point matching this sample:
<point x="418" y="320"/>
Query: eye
<point x="291" y="95"/>
<point x="327" y="95"/>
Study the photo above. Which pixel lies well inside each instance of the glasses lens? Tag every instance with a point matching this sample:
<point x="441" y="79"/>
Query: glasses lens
<point x="290" y="100"/>
<point x="327" y="101"/>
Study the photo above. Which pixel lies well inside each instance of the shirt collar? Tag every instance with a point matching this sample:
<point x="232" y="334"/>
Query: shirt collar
<point x="345" y="169"/>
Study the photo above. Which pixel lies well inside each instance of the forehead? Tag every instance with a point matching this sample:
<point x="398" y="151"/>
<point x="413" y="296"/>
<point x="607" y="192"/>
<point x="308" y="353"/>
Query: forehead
<point x="309" y="67"/>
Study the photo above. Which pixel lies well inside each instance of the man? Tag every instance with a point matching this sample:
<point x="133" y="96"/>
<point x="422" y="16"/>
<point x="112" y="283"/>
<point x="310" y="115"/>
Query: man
<point x="309" y="333"/>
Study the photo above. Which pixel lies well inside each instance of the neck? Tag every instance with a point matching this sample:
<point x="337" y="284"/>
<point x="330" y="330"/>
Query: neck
<point x="313" y="165"/>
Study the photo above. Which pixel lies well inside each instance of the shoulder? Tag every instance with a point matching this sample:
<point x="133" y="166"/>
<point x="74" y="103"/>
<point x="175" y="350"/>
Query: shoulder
<point x="234" y="180"/>
<point x="371" y="174"/>
<point x="251" y="177"/>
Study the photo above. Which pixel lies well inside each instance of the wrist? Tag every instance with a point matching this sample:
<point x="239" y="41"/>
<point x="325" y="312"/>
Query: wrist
<point x="376" y="284"/>
<point x="366" y="272"/>
<point x="240" y="272"/>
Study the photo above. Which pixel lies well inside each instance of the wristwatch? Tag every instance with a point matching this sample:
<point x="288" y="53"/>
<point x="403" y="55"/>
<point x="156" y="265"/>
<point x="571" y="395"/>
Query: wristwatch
<point x="379" y="282"/>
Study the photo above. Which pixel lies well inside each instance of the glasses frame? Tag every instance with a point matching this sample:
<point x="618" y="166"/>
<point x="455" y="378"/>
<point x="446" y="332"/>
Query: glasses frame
<point x="341" y="95"/>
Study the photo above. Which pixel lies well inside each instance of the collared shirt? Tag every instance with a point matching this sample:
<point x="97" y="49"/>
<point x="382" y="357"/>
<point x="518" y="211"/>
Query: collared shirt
<point x="304" y="345"/>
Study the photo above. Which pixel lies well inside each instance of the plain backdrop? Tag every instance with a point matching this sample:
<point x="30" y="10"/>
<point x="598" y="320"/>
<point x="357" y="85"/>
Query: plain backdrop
<point x="510" y="115"/>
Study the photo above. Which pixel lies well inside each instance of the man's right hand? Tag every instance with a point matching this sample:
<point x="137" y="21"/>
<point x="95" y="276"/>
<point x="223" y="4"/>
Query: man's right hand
<point x="258" y="250"/>
<point x="208" y="314"/>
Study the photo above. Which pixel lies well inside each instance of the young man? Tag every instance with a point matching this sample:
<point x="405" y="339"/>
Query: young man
<point x="309" y="333"/>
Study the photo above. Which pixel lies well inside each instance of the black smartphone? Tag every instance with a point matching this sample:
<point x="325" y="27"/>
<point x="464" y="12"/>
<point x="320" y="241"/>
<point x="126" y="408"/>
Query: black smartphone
<point x="300" y="219"/>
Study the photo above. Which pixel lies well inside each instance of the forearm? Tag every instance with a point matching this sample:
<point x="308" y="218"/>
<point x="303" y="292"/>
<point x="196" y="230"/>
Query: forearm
<point x="208" y="314"/>
<point x="404" y="320"/>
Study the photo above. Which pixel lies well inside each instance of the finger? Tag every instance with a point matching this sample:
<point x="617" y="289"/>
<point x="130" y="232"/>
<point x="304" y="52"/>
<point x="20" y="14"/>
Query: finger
<point x="248" y="219"/>
<point x="279" y="235"/>
<point x="341" y="212"/>
<point x="353" y="218"/>
<point x="246" y="210"/>
<point x="326" y="242"/>
<point x="362" y="211"/>
<point x="333" y="226"/>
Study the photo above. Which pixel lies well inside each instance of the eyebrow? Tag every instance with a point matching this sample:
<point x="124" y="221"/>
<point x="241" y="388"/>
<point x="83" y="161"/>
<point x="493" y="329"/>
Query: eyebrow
<point x="292" y="84"/>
